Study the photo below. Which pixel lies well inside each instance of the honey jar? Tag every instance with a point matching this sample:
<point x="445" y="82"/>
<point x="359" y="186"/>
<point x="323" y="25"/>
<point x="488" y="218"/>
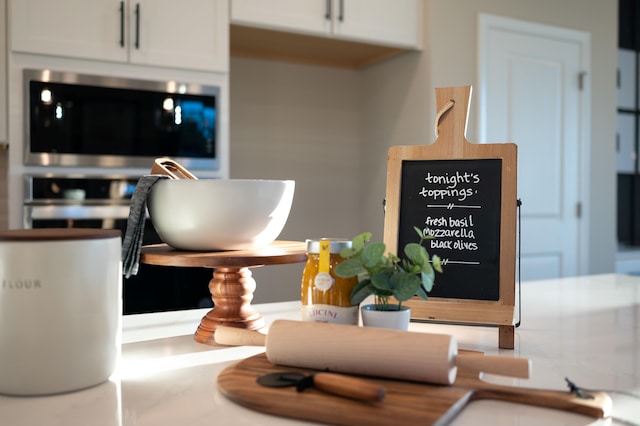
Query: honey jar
<point x="326" y="296"/>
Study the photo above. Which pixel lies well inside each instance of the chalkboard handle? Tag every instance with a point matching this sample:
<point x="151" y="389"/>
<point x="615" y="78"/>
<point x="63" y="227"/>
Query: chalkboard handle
<point x="451" y="126"/>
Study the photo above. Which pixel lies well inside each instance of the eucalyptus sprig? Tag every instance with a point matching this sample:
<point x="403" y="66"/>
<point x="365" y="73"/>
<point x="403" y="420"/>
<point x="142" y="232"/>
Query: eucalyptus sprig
<point x="387" y="275"/>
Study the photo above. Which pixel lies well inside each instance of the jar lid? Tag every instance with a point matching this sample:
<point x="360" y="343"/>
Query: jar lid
<point x="57" y="234"/>
<point x="336" y="244"/>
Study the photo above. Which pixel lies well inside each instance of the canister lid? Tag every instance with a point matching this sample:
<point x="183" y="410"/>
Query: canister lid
<point x="337" y="244"/>
<point x="57" y="234"/>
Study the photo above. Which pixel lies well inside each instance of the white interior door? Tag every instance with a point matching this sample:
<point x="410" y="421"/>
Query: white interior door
<point x="533" y="92"/>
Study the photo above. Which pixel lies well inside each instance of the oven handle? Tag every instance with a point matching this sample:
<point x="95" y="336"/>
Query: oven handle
<point x="76" y="212"/>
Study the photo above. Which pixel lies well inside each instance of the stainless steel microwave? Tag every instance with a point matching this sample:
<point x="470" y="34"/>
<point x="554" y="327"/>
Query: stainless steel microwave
<point x="98" y="121"/>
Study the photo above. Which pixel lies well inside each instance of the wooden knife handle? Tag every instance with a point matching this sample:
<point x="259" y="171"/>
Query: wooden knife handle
<point x="349" y="387"/>
<point x="234" y="336"/>
<point x="501" y="365"/>
<point x="599" y="405"/>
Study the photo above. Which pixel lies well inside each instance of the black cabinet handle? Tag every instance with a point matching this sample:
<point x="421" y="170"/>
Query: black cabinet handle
<point x="122" y="24"/>
<point x="341" y="12"/>
<point x="327" y="9"/>
<point x="137" y="43"/>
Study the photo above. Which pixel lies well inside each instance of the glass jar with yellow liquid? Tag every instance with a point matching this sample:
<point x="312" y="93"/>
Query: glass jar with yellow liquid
<point x="326" y="296"/>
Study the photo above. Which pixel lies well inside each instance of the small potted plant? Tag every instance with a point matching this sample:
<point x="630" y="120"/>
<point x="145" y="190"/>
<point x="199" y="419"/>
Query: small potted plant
<point x="387" y="277"/>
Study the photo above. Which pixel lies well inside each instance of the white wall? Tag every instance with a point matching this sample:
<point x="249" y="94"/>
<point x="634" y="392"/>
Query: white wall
<point x="396" y="98"/>
<point x="300" y="122"/>
<point x="295" y="121"/>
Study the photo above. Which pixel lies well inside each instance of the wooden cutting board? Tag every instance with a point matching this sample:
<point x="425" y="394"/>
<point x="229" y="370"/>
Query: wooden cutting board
<point x="405" y="402"/>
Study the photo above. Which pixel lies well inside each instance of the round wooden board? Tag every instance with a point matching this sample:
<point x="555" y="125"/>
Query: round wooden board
<point x="277" y="253"/>
<point x="405" y="403"/>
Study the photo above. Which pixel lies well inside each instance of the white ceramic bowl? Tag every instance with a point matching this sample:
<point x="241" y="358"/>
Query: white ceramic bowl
<point x="220" y="214"/>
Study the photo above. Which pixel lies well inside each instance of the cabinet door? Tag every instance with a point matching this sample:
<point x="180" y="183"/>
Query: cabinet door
<point x="302" y="16"/>
<point x="190" y="34"/>
<point x="626" y="79"/>
<point x="625" y="143"/>
<point x="396" y="23"/>
<point x="4" y="136"/>
<point x="76" y="28"/>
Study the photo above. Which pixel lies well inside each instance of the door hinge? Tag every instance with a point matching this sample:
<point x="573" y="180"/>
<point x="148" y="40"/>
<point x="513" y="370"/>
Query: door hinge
<point x="581" y="77"/>
<point x="578" y="209"/>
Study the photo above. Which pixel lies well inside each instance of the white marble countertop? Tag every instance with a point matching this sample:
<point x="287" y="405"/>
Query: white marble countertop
<point x="584" y="328"/>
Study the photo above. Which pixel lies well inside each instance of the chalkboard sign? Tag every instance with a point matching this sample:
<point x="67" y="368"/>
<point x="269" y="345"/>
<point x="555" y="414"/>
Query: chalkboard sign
<point x="465" y="194"/>
<point x="457" y="202"/>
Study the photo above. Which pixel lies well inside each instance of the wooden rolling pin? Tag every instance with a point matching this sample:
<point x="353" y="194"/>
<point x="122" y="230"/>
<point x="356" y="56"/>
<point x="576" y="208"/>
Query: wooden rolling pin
<point x="404" y="355"/>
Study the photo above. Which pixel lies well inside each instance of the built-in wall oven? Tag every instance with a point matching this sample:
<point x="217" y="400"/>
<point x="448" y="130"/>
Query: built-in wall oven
<point x="82" y="201"/>
<point x="81" y="128"/>
<point x="97" y="121"/>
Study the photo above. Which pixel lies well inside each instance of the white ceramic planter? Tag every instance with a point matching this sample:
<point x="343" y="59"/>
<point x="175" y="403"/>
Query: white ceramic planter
<point x="61" y="304"/>
<point x="396" y="319"/>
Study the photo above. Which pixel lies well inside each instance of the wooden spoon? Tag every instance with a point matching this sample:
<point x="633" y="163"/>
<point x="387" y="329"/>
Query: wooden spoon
<point x="166" y="166"/>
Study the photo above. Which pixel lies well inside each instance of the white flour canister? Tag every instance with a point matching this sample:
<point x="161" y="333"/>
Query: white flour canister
<point x="60" y="309"/>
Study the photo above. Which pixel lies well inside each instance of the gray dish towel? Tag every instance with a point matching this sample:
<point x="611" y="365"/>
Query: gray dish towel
<point x="132" y="244"/>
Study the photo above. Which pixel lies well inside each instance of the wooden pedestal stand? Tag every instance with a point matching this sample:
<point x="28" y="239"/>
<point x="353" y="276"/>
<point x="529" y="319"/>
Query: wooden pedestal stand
<point x="232" y="285"/>
<point x="427" y="176"/>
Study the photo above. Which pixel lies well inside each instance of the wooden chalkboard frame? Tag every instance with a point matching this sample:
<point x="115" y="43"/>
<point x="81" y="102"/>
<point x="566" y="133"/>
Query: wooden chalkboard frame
<point x="451" y="144"/>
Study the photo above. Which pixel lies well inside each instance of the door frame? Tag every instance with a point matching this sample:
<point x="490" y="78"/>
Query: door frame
<point x="487" y="22"/>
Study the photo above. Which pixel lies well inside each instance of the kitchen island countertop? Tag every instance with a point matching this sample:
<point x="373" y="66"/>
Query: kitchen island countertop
<point x="584" y="328"/>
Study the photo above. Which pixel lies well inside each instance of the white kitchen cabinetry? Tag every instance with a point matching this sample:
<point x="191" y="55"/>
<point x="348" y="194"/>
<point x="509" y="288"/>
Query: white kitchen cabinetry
<point x="626" y="79"/>
<point x="190" y="34"/>
<point x="625" y="143"/>
<point x="391" y="23"/>
<point x="397" y="23"/>
<point x="4" y="136"/>
<point x="304" y="16"/>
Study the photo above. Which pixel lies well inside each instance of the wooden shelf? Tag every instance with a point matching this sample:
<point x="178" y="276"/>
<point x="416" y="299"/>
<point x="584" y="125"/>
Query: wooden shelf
<point x="291" y="47"/>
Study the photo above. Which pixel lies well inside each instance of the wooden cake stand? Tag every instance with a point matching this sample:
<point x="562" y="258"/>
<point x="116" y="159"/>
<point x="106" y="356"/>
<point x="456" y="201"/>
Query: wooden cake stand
<point x="232" y="285"/>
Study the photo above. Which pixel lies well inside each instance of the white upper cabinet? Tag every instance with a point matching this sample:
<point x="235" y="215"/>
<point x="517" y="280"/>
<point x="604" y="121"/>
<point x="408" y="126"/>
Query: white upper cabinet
<point x="625" y="143"/>
<point x="303" y="16"/>
<point x="626" y="79"/>
<point x="191" y="34"/>
<point x="76" y="28"/>
<point x="395" y="23"/>
<point x="4" y="136"/>
<point x="187" y="33"/>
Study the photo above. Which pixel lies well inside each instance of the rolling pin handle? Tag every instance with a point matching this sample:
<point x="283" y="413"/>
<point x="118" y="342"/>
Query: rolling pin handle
<point x="501" y="365"/>
<point x="234" y="336"/>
